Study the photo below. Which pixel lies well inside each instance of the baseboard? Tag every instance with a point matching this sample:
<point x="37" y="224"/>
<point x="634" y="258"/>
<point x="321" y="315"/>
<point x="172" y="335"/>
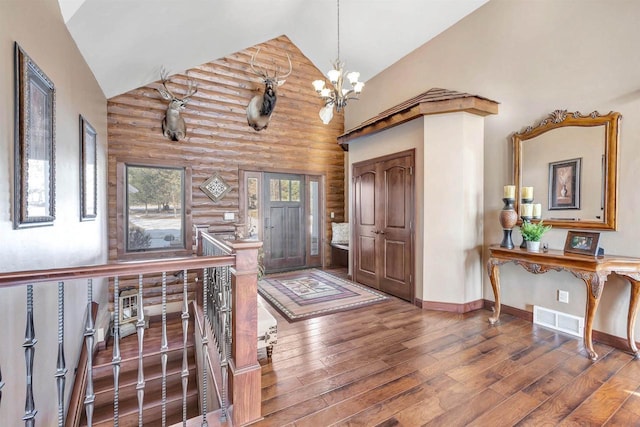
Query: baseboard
<point x="450" y="307"/>
<point x="601" y="337"/>
<point x="515" y="312"/>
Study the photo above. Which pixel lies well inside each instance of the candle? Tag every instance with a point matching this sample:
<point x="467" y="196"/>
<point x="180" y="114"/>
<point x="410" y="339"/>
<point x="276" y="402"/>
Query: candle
<point x="526" y="193"/>
<point x="537" y="210"/>
<point x="527" y="210"/>
<point x="509" y="191"/>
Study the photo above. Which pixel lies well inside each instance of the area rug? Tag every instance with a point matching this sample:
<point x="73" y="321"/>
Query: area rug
<point x="310" y="293"/>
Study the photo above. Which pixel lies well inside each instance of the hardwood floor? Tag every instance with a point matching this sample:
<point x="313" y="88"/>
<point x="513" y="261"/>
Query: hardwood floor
<point x="392" y="364"/>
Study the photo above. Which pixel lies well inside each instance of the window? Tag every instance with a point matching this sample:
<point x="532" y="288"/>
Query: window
<point x="155" y="202"/>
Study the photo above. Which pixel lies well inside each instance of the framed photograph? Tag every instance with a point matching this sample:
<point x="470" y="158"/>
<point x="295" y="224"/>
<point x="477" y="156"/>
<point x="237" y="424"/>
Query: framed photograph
<point x="582" y="242"/>
<point x="34" y="149"/>
<point x="88" y="171"/>
<point x="564" y="184"/>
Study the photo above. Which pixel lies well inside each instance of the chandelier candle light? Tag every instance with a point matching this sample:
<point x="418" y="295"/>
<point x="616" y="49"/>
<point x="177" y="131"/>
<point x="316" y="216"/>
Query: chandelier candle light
<point x="338" y="95"/>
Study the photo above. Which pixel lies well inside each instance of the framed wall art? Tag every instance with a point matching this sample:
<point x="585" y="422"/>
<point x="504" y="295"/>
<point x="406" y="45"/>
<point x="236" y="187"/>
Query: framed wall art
<point x="34" y="151"/>
<point x="215" y="187"/>
<point x="582" y="242"/>
<point x="564" y="184"/>
<point x="88" y="171"/>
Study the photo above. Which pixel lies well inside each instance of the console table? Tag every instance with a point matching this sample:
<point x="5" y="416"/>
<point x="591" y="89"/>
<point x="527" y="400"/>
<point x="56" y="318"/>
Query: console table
<point x="594" y="271"/>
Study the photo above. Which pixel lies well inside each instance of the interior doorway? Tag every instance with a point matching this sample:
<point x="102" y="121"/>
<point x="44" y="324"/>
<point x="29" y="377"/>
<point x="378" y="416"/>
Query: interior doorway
<point x="383" y="190"/>
<point x="284" y="210"/>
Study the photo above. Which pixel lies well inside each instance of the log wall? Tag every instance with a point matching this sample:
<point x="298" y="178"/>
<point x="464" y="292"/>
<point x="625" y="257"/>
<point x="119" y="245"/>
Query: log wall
<point x="219" y="139"/>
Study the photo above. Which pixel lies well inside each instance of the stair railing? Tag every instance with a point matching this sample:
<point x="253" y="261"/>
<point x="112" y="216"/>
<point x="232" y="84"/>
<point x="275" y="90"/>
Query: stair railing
<point x="242" y="367"/>
<point x="229" y="306"/>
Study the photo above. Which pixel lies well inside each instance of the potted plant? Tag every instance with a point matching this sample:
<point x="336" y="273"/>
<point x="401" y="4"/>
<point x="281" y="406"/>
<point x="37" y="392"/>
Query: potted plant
<point x="532" y="232"/>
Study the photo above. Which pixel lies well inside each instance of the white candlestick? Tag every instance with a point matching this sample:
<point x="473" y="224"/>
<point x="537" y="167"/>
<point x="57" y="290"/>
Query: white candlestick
<point x="526" y="193"/>
<point x="537" y="210"/>
<point x="509" y="191"/>
<point x="527" y="210"/>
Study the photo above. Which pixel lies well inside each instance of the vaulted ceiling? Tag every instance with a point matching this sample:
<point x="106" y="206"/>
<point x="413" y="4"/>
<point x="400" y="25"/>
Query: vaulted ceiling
<point x="126" y="42"/>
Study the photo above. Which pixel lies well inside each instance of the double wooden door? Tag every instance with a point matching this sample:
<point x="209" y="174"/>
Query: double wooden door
<point x="383" y="192"/>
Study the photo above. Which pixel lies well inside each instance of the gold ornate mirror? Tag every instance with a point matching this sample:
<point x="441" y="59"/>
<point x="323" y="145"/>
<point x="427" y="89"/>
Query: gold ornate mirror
<point x="571" y="161"/>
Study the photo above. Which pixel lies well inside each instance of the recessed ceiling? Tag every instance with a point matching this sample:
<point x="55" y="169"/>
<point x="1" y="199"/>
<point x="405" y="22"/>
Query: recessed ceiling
<point x="126" y="42"/>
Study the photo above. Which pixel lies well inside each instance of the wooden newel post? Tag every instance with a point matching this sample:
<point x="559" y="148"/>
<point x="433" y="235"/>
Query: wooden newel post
<point x="244" y="369"/>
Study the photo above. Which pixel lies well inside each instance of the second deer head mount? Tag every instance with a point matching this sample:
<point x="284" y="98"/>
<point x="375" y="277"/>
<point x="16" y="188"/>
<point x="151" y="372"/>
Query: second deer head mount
<point x="261" y="106"/>
<point x="173" y="125"/>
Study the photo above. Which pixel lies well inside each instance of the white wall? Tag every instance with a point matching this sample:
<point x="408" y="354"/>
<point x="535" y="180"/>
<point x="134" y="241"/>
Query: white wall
<point x="38" y="27"/>
<point x="452" y="215"/>
<point x="535" y="57"/>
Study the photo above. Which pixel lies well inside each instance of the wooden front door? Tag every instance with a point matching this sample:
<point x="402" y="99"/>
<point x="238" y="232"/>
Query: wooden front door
<point x="284" y="230"/>
<point x="383" y="223"/>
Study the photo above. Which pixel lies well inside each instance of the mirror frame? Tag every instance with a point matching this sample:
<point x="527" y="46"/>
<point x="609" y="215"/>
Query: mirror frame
<point x="562" y="118"/>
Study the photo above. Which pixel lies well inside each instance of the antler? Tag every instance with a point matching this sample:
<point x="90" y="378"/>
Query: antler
<point x="164" y="90"/>
<point x="191" y="89"/>
<point x="290" y="69"/>
<point x="263" y="72"/>
<point x="168" y="95"/>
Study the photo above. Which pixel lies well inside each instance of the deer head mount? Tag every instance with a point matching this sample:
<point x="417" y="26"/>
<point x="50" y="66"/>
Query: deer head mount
<point x="173" y="126"/>
<point x="261" y="106"/>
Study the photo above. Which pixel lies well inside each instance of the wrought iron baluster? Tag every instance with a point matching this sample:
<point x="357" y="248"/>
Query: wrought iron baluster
<point x="164" y="348"/>
<point x="140" y="330"/>
<point x="89" y="333"/>
<point x="116" y="351"/>
<point x="1" y="385"/>
<point x="225" y="335"/>
<point x="61" y="366"/>
<point x="185" y="362"/>
<point x="29" y="354"/>
<point x="205" y="350"/>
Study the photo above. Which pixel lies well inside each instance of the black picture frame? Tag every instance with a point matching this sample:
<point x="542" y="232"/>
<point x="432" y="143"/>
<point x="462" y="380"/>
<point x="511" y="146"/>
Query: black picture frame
<point x="88" y="171"/>
<point x="564" y="184"/>
<point x="582" y="242"/>
<point x="34" y="148"/>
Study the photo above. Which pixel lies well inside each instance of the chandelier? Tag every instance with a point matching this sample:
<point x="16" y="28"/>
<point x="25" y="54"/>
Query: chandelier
<point x="338" y="95"/>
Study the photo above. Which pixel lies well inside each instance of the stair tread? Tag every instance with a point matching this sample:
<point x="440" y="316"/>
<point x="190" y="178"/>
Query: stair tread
<point x="129" y="406"/>
<point x="130" y="378"/>
<point x="152" y="365"/>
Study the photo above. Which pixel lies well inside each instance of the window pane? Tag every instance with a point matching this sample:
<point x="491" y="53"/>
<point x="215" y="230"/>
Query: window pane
<point x="154" y="208"/>
<point x="284" y="190"/>
<point x="295" y="191"/>
<point x="274" y="190"/>
<point x="253" y="207"/>
<point x="315" y="218"/>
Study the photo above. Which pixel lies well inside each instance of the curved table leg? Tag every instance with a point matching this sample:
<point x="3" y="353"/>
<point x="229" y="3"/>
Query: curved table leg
<point x="494" y="276"/>
<point x="594" y="283"/>
<point x="633" y="311"/>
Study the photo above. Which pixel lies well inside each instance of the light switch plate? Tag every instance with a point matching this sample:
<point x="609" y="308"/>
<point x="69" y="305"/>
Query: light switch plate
<point x="229" y="216"/>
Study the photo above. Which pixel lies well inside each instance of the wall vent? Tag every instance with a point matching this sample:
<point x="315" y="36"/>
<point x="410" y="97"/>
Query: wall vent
<point x="559" y="321"/>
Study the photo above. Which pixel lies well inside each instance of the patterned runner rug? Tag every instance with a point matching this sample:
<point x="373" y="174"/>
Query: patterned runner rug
<point x="303" y="294"/>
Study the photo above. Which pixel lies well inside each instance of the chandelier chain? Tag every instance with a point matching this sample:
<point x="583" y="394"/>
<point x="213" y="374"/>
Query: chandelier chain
<point x="338" y="1"/>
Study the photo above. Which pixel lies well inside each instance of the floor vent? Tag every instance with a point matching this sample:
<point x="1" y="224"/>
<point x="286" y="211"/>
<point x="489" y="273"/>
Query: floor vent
<point x="559" y="321"/>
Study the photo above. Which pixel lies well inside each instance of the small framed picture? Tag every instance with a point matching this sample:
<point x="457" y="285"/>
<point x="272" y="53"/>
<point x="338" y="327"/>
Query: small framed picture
<point x="582" y="242"/>
<point x="88" y="171"/>
<point x="564" y="184"/>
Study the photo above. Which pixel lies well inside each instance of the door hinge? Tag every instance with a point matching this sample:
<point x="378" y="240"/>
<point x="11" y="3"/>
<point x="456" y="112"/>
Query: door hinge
<point x="410" y="278"/>
<point x="410" y="170"/>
